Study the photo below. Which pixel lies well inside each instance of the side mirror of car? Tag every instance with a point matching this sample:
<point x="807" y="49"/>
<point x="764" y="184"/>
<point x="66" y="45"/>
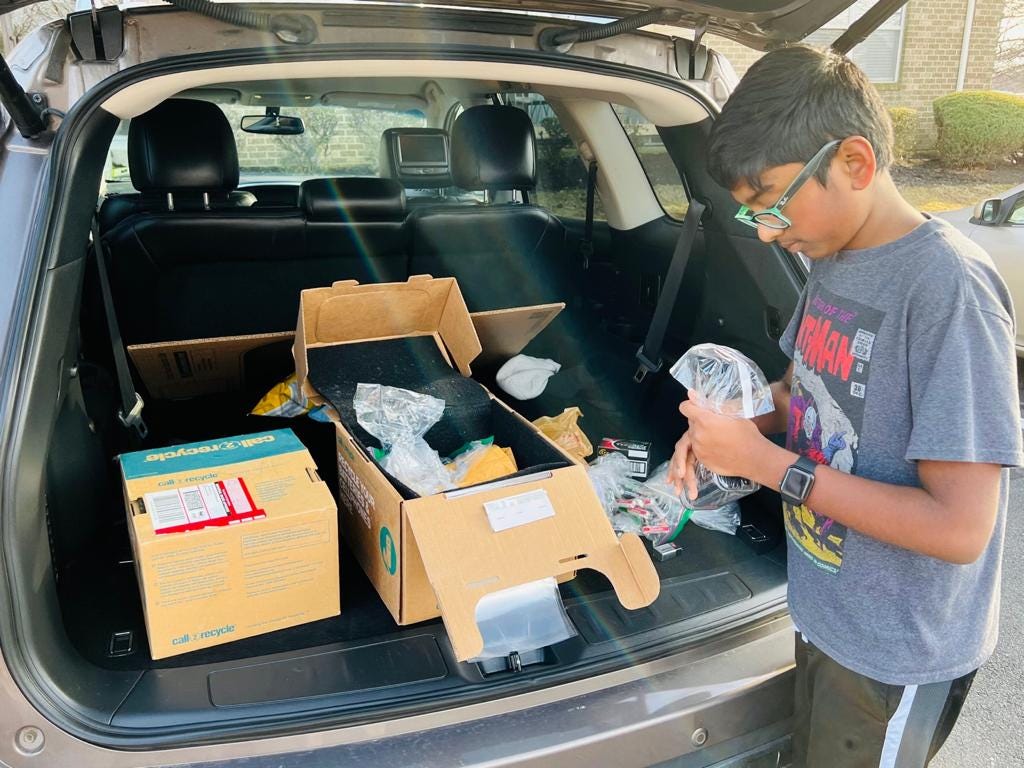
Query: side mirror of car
<point x="273" y="124"/>
<point x="987" y="211"/>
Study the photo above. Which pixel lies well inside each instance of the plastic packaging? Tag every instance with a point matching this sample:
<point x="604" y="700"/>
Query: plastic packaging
<point x="730" y="383"/>
<point x="725" y="519"/>
<point x="633" y="506"/>
<point x="566" y="433"/>
<point x="286" y="399"/>
<point x="522" y="618"/>
<point x="479" y="462"/>
<point x="399" y="418"/>
<point x="724" y="380"/>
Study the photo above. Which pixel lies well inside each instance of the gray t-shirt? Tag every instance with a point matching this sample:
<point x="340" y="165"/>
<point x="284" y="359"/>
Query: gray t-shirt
<point x="902" y="352"/>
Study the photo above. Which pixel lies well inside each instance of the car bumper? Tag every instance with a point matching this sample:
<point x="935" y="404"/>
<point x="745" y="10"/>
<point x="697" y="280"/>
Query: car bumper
<point x="724" y="702"/>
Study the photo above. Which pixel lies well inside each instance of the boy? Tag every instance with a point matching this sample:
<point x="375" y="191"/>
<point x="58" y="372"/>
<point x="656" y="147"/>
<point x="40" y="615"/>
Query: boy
<point x="900" y="412"/>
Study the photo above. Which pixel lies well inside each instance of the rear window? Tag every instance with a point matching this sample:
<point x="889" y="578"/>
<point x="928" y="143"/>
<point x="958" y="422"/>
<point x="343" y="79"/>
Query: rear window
<point x="657" y="163"/>
<point x="338" y="141"/>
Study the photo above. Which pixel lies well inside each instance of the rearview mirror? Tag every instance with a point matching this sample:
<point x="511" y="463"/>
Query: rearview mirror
<point x="273" y="124"/>
<point x="987" y="211"/>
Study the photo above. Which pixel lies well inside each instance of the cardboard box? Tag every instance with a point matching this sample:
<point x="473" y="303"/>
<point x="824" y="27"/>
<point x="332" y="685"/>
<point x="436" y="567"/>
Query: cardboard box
<point x="232" y="538"/>
<point x="504" y="333"/>
<point x="175" y="369"/>
<point x="440" y="554"/>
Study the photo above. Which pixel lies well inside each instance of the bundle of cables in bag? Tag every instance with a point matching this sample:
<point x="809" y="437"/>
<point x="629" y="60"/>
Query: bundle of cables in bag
<point x="730" y="383"/>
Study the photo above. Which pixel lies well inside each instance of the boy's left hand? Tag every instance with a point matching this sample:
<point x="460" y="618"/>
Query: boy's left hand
<point x="724" y="444"/>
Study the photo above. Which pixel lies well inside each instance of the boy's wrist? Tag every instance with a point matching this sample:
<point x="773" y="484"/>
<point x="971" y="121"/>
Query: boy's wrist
<point x="771" y="464"/>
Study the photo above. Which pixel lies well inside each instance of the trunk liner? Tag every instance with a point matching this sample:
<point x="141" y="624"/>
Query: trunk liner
<point x="696" y="581"/>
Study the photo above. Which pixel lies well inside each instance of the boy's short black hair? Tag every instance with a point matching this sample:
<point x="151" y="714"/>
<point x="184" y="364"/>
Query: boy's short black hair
<point x="788" y="105"/>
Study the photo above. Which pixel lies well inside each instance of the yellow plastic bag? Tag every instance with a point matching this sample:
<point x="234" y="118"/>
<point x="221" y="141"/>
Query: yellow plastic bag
<point x="566" y="433"/>
<point x="492" y="463"/>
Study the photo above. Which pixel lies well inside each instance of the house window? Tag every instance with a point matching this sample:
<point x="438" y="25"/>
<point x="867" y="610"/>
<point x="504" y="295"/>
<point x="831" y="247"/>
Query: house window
<point x="879" y="54"/>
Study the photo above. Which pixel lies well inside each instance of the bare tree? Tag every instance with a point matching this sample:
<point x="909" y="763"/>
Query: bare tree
<point x="19" y="24"/>
<point x="306" y="154"/>
<point x="1009" y="65"/>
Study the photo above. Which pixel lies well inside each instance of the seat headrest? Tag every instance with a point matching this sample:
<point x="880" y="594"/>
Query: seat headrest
<point x="352" y="199"/>
<point x="416" y="157"/>
<point x="493" y="148"/>
<point x="182" y="144"/>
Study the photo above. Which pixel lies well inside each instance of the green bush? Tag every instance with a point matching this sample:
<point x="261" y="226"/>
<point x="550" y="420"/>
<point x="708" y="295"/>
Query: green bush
<point x="979" y="127"/>
<point x="904" y="131"/>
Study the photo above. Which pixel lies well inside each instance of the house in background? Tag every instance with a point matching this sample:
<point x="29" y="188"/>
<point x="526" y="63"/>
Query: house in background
<point x="925" y="50"/>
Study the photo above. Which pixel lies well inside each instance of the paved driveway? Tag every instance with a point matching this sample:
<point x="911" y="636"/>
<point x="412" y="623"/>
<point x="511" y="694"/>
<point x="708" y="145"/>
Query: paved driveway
<point x="990" y="731"/>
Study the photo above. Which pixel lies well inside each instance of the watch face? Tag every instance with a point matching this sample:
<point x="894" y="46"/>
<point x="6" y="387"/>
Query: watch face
<point x="795" y="483"/>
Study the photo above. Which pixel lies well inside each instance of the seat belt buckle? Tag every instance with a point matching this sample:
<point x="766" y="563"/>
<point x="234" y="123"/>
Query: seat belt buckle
<point x="133" y="419"/>
<point x="586" y="251"/>
<point x="646" y="366"/>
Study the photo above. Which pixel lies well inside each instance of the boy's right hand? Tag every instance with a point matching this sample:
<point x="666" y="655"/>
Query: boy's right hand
<point x="681" y="469"/>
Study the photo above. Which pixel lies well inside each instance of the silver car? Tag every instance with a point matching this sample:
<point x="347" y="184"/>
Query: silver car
<point x="997" y="225"/>
<point x="209" y="229"/>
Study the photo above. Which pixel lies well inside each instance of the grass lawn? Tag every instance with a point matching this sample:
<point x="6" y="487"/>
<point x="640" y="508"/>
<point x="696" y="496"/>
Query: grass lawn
<point x="932" y="188"/>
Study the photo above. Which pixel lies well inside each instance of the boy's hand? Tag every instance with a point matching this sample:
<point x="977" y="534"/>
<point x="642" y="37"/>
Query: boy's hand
<point x="724" y="444"/>
<point x="681" y="470"/>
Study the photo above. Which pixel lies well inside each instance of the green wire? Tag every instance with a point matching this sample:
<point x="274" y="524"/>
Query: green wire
<point x="679" y="528"/>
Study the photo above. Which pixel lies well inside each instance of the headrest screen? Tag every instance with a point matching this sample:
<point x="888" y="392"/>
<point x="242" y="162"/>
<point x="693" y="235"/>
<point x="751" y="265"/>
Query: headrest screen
<point x="421" y="150"/>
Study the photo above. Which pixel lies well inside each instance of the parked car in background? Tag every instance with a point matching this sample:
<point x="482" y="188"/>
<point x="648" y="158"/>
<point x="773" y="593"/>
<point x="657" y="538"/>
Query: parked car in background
<point x="997" y="225"/>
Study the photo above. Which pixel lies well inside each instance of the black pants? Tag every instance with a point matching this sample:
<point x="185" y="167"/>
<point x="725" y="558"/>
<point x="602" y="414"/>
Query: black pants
<point x="846" y="720"/>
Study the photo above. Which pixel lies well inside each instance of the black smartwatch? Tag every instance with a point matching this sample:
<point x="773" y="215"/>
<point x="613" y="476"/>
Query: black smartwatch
<point x="797" y="482"/>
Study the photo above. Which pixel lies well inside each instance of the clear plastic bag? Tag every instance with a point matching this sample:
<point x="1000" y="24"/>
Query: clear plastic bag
<point x="522" y="618"/>
<point x="725" y="519"/>
<point x="634" y="506"/>
<point x="724" y="380"/>
<point x="399" y="418"/>
<point x="730" y="383"/>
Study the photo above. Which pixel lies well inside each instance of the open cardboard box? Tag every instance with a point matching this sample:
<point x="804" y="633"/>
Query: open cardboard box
<point x="440" y="554"/>
<point x="178" y="369"/>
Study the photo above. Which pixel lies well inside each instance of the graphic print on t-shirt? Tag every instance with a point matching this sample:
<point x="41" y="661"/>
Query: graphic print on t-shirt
<point x="831" y="364"/>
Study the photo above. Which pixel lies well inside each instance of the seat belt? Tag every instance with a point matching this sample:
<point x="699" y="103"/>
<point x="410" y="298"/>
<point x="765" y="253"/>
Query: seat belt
<point x="130" y="413"/>
<point x="587" y="241"/>
<point x="649" y="354"/>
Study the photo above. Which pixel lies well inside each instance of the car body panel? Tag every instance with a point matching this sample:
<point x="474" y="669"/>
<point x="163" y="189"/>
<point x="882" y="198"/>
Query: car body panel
<point x="757" y="24"/>
<point x="1004" y="243"/>
<point x="638" y="716"/>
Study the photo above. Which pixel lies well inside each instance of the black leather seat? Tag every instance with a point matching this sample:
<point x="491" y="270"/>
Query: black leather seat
<point x="504" y="255"/>
<point x="354" y="230"/>
<point x="188" y="257"/>
<point x="182" y="157"/>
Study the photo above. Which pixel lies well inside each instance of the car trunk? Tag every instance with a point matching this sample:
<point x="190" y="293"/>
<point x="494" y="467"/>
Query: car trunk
<point x="361" y="661"/>
<point x="85" y="634"/>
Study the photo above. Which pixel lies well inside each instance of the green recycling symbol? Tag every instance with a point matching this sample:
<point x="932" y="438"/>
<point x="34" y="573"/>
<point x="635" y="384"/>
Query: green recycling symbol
<point x="387" y="551"/>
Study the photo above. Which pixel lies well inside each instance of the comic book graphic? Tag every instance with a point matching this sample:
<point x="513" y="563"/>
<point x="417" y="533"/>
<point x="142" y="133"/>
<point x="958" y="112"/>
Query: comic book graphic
<point x="832" y="363"/>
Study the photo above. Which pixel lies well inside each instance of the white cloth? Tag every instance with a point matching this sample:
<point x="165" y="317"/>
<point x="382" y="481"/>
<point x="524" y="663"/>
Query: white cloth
<point x="525" y="377"/>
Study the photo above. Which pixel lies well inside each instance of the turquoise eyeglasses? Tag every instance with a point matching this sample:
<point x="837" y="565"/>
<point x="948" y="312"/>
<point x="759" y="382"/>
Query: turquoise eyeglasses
<point x="773" y="217"/>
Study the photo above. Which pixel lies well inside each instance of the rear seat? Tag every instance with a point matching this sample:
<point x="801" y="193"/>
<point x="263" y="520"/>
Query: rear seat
<point x="504" y="255"/>
<point x="191" y="257"/>
<point x="354" y="230"/>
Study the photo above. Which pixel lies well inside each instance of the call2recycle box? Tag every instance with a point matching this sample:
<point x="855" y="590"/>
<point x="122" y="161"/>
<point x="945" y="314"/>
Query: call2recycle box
<point x="232" y="538"/>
